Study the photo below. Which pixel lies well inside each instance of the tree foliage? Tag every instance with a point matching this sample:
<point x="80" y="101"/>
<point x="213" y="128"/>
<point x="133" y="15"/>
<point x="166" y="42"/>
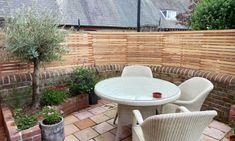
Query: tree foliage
<point x="32" y="34"/>
<point x="214" y="14"/>
<point x="185" y="18"/>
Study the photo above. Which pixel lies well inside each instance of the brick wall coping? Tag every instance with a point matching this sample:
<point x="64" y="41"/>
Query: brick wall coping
<point x="33" y="133"/>
<point x="215" y="77"/>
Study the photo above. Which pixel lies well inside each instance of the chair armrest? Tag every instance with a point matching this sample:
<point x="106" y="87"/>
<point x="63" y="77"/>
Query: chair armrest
<point x="182" y="109"/>
<point x="137" y="118"/>
<point x="179" y="102"/>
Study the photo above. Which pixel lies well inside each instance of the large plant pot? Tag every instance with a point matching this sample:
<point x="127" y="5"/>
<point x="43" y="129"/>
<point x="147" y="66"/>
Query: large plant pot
<point x="232" y="137"/>
<point x="54" y="132"/>
<point x="93" y="98"/>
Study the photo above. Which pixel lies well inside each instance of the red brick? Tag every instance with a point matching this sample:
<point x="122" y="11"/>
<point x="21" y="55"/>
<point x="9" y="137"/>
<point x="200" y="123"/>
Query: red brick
<point x="15" y="137"/>
<point x="37" y="138"/>
<point x="31" y="132"/>
<point x="28" y="139"/>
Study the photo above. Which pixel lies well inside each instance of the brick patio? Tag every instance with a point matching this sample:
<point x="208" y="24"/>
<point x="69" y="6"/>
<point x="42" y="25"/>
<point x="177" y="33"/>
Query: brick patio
<point x="96" y="124"/>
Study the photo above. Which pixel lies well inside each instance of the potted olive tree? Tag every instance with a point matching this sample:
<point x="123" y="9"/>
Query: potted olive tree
<point x="33" y="36"/>
<point x="83" y="81"/>
<point x="52" y="126"/>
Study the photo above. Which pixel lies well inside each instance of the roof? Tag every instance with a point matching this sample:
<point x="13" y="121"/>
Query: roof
<point x="114" y="13"/>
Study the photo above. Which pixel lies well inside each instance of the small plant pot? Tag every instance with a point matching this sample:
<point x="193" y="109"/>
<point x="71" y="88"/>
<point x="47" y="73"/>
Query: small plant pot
<point x="232" y="137"/>
<point x="54" y="132"/>
<point x="93" y="98"/>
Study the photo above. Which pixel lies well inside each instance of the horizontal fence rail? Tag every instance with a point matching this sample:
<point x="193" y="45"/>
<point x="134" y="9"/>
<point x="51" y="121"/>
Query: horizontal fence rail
<point x="212" y="51"/>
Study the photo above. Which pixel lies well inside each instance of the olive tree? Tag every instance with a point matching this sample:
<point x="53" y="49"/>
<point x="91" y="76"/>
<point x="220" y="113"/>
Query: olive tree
<point x="33" y="36"/>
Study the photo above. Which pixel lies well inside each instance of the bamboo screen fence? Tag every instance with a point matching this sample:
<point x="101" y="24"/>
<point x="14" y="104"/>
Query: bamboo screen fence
<point x="203" y="50"/>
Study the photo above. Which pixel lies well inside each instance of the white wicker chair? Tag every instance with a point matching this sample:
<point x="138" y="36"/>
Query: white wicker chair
<point x="184" y="126"/>
<point x="194" y="92"/>
<point x="135" y="70"/>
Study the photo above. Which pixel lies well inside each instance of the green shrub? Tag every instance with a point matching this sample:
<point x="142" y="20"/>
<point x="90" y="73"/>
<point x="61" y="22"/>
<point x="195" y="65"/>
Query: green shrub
<point x="83" y="81"/>
<point x="24" y="121"/>
<point x="53" y="97"/>
<point x="74" y="89"/>
<point x="51" y="116"/>
<point x="214" y="14"/>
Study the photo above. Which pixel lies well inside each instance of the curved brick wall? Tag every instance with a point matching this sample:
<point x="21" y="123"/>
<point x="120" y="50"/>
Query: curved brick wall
<point x="220" y="99"/>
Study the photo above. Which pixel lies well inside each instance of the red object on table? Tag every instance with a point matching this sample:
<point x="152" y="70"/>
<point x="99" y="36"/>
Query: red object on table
<point x="157" y="95"/>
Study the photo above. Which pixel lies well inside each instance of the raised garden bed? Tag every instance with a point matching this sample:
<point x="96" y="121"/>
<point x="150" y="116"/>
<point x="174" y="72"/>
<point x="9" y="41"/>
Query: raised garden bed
<point x="34" y="133"/>
<point x="74" y="104"/>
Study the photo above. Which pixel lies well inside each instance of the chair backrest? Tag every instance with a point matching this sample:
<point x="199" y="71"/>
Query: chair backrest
<point x="186" y="126"/>
<point x="137" y="70"/>
<point x="196" y="88"/>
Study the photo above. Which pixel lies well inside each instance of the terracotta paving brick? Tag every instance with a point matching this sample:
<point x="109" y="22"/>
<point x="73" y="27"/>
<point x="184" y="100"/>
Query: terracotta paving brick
<point x="103" y="101"/>
<point x="96" y="124"/>
<point x="214" y="133"/>
<point x="109" y="106"/>
<point x="97" y="110"/>
<point x="225" y="139"/>
<point x="86" y="134"/>
<point x="105" y="137"/>
<point x="70" y="129"/>
<point x="111" y="122"/>
<point x="111" y="113"/>
<point x="71" y="138"/>
<point x="94" y="106"/>
<point x="220" y="126"/>
<point x="207" y="138"/>
<point x="127" y="139"/>
<point x="126" y="132"/>
<point x="103" y="127"/>
<point x="83" y="114"/>
<point x="99" y="118"/>
<point x="113" y="131"/>
<point x="229" y="134"/>
<point x="70" y="119"/>
<point x="85" y="123"/>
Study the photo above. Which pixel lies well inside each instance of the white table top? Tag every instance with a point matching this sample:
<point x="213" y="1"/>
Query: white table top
<point x="137" y="91"/>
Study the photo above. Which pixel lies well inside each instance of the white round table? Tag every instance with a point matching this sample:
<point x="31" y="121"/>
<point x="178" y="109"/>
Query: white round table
<point x="136" y="93"/>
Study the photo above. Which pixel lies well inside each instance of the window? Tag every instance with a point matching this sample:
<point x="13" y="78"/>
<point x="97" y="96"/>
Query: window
<point x="169" y="14"/>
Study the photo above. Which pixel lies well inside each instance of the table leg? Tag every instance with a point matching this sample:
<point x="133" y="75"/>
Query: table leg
<point x="125" y="115"/>
<point x="119" y="132"/>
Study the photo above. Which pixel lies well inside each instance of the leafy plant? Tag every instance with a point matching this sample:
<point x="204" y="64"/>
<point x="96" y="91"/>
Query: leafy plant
<point x="24" y="121"/>
<point x="51" y="116"/>
<point x="74" y="89"/>
<point x="53" y="97"/>
<point x="33" y="36"/>
<point x="83" y="81"/>
<point x="214" y="14"/>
